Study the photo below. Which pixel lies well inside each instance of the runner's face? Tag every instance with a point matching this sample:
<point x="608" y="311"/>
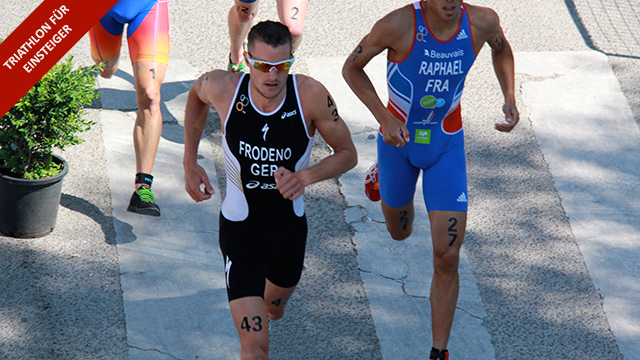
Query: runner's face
<point x="445" y="9"/>
<point x="269" y="84"/>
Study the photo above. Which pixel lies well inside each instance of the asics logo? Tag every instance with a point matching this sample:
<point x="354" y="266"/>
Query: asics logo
<point x="289" y="114"/>
<point x="254" y="184"/>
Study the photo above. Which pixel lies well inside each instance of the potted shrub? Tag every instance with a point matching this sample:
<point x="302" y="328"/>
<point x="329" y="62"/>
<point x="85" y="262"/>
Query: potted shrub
<point x="49" y="116"/>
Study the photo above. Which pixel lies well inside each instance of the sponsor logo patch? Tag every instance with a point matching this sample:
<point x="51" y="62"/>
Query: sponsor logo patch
<point x="431" y="102"/>
<point x="423" y="136"/>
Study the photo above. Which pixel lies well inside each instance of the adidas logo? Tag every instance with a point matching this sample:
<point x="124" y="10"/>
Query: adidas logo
<point x="462" y="198"/>
<point x="461" y="36"/>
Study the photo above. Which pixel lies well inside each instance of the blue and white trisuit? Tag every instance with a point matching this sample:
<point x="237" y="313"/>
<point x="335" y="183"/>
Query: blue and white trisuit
<point x="424" y="92"/>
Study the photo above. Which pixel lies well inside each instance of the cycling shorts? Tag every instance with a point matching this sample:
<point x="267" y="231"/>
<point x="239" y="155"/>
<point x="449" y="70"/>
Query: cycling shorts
<point x="253" y="252"/>
<point x="444" y="174"/>
<point x="147" y="32"/>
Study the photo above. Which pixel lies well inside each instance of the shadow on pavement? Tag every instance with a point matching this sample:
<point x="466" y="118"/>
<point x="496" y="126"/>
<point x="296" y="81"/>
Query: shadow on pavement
<point x="107" y="224"/>
<point x="609" y="26"/>
<point x="535" y="286"/>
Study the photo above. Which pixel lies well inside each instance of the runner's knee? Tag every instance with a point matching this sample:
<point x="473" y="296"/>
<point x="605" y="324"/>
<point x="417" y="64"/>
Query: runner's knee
<point x="401" y="232"/>
<point x="107" y="71"/>
<point x="446" y="261"/>
<point x="148" y="97"/>
<point x="244" y="14"/>
<point x="275" y="313"/>
<point x="295" y="29"/>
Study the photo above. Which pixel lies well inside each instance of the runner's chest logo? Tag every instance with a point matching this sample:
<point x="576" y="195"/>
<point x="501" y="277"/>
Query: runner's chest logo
<point x="289" y="114"/>
<point x="242" y="103"/>
<point x="227" y="269"/>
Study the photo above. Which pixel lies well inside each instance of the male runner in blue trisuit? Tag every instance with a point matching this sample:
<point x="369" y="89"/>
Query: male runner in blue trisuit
<point x="431" y="46"/>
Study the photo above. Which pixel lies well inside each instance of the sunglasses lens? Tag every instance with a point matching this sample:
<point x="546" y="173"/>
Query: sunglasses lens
<point x="285" y="66"/>
<point x="266" y="67"/>
<point x="260" y="66"/>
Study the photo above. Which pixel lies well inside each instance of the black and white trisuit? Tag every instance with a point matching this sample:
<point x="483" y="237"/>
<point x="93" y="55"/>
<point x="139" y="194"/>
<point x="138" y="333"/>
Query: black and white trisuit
<point x="262" y="234"/>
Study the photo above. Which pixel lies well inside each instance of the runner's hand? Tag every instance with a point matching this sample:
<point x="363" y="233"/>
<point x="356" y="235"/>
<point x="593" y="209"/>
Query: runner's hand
<point x="289" y="185"/>
<point x="394" y="131"/>
<point x="194" y="177"/>
<point x="511" y="116"/>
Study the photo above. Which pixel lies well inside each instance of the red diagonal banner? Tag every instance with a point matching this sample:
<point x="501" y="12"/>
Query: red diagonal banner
<point x="41" y="41"/>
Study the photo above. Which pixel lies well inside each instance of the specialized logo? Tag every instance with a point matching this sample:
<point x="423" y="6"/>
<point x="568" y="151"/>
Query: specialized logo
<point x="462" y="198"/>
<point x="423" y="136"/>
<point x="431" y="102"/>
<point x="264" y="130"/>
<point x="227" y="270"/>
<point x="462" y="35"/>
<point x="289" y="114"/>
<point x="244" y="101"/>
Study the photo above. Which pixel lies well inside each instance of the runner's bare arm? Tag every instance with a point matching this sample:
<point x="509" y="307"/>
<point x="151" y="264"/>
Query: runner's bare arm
<point x="488" y="23"/>
<point x="389" y="33"/>
<point x="503" y="64"/>
<point x="321" y="113"/>
<point x="202" y="94"/>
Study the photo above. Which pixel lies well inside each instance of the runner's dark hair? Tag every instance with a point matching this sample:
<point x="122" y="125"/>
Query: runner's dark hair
<point x="271" y="33"/>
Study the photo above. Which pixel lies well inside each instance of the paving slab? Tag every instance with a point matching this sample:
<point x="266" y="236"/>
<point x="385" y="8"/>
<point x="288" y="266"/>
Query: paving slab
<point x="590" y="140"/>
<point x="171" y="269"/>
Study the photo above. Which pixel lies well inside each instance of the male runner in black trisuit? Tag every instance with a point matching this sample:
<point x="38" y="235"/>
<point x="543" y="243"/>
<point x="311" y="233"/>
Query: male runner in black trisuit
<point x="269" y="119"/>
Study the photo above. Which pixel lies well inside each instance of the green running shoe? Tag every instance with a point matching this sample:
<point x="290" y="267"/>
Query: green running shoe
<point x="239" y="67"/>
<point x="236" y="68"/>
<point x="142" y="202"/>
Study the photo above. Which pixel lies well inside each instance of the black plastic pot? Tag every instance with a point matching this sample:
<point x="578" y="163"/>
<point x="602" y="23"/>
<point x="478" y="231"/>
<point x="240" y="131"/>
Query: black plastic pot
<point x="29" y="208"/>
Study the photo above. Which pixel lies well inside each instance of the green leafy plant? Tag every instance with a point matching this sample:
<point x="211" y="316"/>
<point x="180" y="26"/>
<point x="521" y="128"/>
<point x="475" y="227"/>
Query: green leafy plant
<point x="49" y="116"/>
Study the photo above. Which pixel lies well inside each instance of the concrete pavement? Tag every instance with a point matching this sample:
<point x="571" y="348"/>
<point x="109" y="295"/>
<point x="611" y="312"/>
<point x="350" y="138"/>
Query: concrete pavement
<point x="550" y="265"/>
<point x="590" y="141"/>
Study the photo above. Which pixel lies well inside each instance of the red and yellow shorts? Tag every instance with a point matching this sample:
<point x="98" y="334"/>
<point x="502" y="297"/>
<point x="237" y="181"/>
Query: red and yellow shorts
<point x="147" y="32"/>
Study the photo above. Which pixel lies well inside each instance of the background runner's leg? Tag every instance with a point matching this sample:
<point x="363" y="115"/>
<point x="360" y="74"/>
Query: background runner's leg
<point x="105" y="48"/>
<point x="148" y="127"/>
<point x="240" y="19"/>
<point x="292" y="13"/>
